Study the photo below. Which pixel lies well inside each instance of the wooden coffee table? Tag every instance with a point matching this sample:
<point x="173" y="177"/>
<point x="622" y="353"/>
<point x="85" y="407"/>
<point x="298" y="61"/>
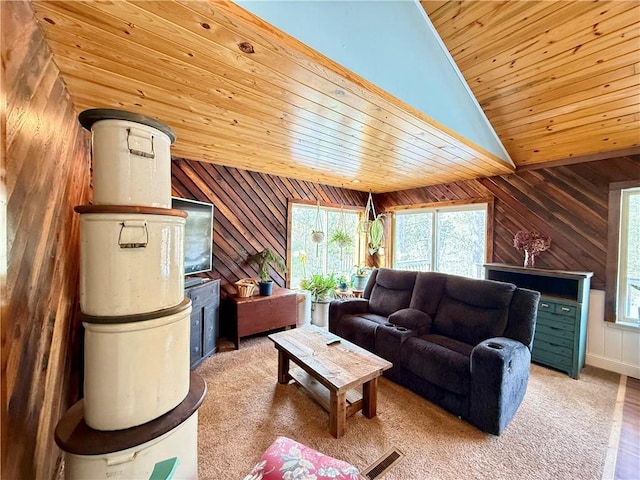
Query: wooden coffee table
<point x="330" y="373"/>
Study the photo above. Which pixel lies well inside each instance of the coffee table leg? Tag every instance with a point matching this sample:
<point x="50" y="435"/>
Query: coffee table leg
<point x="283" y="368"/>
<point x="337" y="413"/>
<point x="370" y="398"/>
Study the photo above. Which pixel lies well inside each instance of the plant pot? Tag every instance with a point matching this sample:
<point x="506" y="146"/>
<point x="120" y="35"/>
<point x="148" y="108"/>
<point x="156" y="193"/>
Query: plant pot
<point x="320" y="314"/>
<point x="265" y="288"/>
<point x="360" y="282"/>
<point x="343" y="286"/>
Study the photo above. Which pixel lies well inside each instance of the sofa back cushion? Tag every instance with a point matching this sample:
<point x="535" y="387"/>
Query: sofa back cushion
<point x="473" y="310"/>
<point x="428" y="291"/>
<point x="523" y="312"/>
<point x="391" y="291"/>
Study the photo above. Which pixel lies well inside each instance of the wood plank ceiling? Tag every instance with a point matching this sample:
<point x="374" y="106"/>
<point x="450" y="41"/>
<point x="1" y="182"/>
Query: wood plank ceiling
<point x="556" y="80"/>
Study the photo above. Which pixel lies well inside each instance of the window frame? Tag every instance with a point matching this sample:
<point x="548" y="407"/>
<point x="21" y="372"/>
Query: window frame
<point x="360" y="243"/>
<point x="613" y="246"/>
<point x="446" y="205"/>
<point x="614" y="272"/>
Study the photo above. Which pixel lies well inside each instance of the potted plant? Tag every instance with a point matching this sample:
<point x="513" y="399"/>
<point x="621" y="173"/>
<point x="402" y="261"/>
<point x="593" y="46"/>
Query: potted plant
<point x="342" y="239"/>
<point x="343" y="286"/>
<point x="322" y="288"/>
<point x="533" y="243"/>
<point x="360" y="277"/>
<point x="376" y="233"/>
<point x="263" y="260"/>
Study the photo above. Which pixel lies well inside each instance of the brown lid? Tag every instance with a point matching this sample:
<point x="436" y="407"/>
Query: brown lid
<point x="138" y="209"/>
<point x="74" y="436"/>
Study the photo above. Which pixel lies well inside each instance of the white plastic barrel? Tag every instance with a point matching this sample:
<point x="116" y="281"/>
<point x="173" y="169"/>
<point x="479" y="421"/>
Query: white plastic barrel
<point x="135" y="371"/>
<point x="131" y="158"/>
<point x="130" y="263"/>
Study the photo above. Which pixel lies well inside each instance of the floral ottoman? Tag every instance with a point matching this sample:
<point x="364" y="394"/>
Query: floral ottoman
<point x="289" y="460"/>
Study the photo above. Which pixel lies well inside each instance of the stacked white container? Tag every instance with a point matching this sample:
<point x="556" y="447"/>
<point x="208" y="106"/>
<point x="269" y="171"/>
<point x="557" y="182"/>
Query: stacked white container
<point x="135" y="314"/>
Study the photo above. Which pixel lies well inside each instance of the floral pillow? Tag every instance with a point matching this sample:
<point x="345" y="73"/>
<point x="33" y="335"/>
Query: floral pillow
<point x="289" y="460"/>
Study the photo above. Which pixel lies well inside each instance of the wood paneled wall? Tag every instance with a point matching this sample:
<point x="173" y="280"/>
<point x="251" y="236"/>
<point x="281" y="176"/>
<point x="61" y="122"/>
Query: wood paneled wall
<point x="250" y="211"/>
<point x="569" y="203"/>
<point x="47" y="173"/>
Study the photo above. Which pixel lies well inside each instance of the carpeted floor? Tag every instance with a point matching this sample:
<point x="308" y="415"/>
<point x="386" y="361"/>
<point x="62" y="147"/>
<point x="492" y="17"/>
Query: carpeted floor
<point x="561" y="430"/>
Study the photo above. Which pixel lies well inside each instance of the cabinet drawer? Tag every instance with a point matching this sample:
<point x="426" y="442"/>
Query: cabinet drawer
<point x="555" y="324"/>
<point x="552" y="346"/>
<point x="545" y="306"/>
<point x="551" y="359"/>
<point x="552" y="337"/>
<point x="566" y="310"/>
<point x="203" y="295"/>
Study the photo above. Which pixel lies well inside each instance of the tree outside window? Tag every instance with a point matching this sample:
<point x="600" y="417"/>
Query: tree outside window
<point x="442" y="239"/>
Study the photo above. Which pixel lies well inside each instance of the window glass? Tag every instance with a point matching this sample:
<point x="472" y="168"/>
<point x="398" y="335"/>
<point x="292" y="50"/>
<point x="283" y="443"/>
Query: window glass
<point x="447" y="239"/>
<point x="629" y="257"/>
<point x="308" y="257"/>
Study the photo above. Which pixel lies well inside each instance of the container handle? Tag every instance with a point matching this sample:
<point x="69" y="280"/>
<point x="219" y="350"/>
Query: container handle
<point x="133" y="224"/>
<point x="140" y="143"/>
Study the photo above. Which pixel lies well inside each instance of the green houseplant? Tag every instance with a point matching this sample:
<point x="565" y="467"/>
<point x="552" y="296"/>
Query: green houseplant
<point x="263" y="260"/>
<point x="360" y="277"/>
<point x="322" y="288"/>
<point x="342" y="239"/>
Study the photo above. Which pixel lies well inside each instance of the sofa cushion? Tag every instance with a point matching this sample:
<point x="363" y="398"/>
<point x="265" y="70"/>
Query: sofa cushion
<point x="473" y="310"/>
<point x="428" y="291"/>
<point x="391" y="291"/>
<point x="412" y="319"/>
<point x="468" y="323"/>
<point x="439" y="360"/>
<point x="360" y="329"/>
<point x="480" y="293"/>
<point x="288" y="459"/>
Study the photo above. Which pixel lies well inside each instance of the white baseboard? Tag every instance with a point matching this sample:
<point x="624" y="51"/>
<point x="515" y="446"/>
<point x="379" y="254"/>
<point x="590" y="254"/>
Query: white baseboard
<point x="613" y="365"/>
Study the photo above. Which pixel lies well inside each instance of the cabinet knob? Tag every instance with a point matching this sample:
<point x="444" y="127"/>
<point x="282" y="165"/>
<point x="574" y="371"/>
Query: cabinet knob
<point x="565" y="309"/>
<point x="544" y="305"/>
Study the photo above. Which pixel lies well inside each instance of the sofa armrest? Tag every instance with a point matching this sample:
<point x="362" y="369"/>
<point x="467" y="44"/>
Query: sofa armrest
<point x="499" y="376"/>
<point x="351" y="306"/>
<point x="412" y="319"/>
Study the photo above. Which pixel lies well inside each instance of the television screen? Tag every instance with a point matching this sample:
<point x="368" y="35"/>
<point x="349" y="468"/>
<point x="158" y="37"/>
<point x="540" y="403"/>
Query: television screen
<point x="198" y="234"/>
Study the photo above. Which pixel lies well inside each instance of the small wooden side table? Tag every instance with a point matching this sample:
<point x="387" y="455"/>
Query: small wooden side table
<point x="339" y="294"/>
<point x="258" y="314"/>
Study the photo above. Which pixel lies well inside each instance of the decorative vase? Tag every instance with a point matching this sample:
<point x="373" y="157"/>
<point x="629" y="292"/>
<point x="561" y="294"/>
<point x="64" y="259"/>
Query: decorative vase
<point x="529" y="259"/>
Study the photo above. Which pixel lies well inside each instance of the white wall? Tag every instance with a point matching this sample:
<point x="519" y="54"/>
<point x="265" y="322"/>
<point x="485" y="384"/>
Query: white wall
<point x="609" y="346"/>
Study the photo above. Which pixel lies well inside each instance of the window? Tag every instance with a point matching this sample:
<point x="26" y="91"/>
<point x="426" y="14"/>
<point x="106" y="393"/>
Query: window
<point x="449" y="239"/>
<point x="307" y="257"/>
<point x="629" y="257"/>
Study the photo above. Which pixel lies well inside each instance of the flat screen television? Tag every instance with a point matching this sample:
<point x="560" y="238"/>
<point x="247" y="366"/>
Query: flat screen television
<point x="198" y="234"/>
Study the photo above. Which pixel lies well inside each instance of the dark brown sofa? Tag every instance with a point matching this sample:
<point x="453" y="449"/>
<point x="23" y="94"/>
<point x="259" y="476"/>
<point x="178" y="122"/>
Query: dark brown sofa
<point x="463" y="344"/>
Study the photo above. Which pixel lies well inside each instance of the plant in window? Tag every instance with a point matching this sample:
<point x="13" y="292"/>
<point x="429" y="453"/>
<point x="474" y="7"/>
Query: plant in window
<point x="376" y="234"/>
<point x="533" y="243"/>
<point x="321" y="286"/>
<point x="359" y="279"/>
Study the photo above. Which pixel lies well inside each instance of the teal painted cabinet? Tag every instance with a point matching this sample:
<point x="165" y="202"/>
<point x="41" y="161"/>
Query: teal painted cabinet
<point x="561" y="329"/>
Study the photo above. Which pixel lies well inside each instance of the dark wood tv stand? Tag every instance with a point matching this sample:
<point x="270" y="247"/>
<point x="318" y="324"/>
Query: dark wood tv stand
<point x="205" y="304"/>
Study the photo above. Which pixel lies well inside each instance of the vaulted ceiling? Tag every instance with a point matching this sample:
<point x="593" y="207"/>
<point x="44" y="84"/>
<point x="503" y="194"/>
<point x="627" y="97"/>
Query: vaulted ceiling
<point x="556" y="79"/>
